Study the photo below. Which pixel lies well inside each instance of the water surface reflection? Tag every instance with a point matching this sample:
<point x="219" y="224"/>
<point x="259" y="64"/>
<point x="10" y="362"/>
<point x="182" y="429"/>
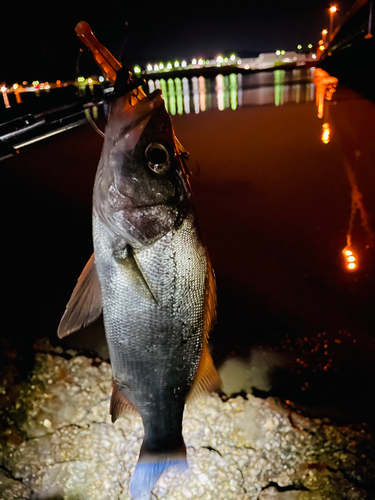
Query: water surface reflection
<point x="198" y="94"/>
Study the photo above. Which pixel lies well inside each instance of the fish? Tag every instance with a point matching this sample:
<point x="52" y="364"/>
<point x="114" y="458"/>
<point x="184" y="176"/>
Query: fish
<point x="151" y="278"/>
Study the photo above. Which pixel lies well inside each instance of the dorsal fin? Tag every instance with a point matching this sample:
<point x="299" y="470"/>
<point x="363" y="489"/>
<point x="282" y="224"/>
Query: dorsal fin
<point x="119" y="403"/>
<point x="206" y="379"/>
<point x="210" y="301"/>
<point x="85" y="303"/>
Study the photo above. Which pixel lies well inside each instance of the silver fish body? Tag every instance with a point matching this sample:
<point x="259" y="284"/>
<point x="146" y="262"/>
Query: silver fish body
<point x="157" y="288"/>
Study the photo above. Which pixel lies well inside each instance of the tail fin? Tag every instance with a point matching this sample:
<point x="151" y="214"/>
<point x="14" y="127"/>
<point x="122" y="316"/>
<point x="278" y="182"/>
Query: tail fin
<point x="148" y="472"/>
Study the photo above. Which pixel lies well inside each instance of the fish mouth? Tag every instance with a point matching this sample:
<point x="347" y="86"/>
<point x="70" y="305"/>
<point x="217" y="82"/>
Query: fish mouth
<point x="144" y="108"/>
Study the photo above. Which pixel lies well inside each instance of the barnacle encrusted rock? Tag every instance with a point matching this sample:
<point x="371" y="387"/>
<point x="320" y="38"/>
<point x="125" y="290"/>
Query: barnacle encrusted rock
<point x="57" y="441"/>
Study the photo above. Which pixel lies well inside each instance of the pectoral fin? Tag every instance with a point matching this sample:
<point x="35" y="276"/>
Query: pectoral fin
<point x="133" y="274"/>
<point x="85" y="304"/>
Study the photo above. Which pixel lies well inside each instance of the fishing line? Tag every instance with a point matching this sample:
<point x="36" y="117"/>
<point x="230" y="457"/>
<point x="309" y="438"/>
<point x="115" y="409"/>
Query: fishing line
<point x="81" y="96"/>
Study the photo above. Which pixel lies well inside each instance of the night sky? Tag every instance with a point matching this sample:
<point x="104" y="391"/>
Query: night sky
<point x="154" y="31"/>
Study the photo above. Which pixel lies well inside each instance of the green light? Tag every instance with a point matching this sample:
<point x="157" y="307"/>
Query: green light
<point x="282" y="52"/>
<point x="225" y="59"/>
<point x="207" y="61"/>
<point x="179" y="96"/>
<point x="172" y="97"/>
<point x="310" y="46"/>
<point x="233" y="90"/>
<point x="299" y="47"/>
<point x="176" y="64"/>
<point x="169" y="66"/>
<point x="81" y="79"/>
<point x="163" y="86"/>
<point x="233" y="57"/>
<point x="137" y="69"/>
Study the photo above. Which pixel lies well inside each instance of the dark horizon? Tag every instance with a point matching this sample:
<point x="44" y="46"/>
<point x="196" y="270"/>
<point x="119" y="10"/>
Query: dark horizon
<point x="36" y="49"/>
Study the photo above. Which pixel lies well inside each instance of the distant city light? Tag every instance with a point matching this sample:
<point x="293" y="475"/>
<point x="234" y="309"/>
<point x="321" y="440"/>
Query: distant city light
<point x="3" y="89"/>
<point x="282" y="52"/>
<point x="324" y="32"/>
<point x="278" y="52"/>
<point x="310" y="46"/>
<point x="101" y="79"/>
<point x="176" y="64"/>
<point x="232" y="57"/>
<point x="156" y="67"/>
<point x="200" y="61"/>
<point x="333" y="8"/>
<point x="161" y="66"/>
<point x="35" y="83"/>
<point x="299" y="47"/>
<point x="183" y="64"/>
<point x="137" y="69"/>
<point x="219" y="59"/>
<point x="314" y="56"/>
<point x="15" y="86"/>
<point x="149" y="67"/>
<point x="169" y="66"/>
<point x="239" y="61"/>
<point x="225" y="59"/>
<point x="89" y="81"/>
<point x="58" y="82"/>
<point x="194" y="61"/>
<point x="80" y="79"/>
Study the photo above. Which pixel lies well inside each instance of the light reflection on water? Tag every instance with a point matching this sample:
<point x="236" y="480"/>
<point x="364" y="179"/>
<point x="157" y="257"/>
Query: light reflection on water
<point x="198" y="94"/>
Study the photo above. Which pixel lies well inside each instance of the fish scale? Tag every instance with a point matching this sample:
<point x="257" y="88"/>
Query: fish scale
<point x="175" y="267"/>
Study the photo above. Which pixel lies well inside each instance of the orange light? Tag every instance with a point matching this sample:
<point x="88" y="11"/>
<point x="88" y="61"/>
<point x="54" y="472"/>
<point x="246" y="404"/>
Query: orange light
<point x="324" y="32"/>
<point x="321" y="47"/>
<point x="333" y="8"/>
<point x="350" y="259"/>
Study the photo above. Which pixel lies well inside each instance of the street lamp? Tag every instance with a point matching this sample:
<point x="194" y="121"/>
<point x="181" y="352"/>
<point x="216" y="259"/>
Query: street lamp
<point x="332" y="11"/>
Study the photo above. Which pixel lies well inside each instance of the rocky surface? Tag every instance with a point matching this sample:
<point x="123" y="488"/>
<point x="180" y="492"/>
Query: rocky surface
<point x="57" y="442"/>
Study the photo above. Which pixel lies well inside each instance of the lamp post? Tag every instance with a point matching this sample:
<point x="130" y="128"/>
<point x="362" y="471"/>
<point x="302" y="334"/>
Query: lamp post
<point x="332" y="11"/>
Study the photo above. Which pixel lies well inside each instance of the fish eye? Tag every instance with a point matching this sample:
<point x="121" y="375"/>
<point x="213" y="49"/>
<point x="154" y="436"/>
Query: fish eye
<point x="157" y="157"/>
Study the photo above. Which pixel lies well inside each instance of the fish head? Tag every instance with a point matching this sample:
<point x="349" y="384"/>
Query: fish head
<point x="141" y="189"/>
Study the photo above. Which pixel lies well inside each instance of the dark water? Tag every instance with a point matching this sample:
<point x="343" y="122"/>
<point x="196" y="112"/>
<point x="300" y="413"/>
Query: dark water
<point x="285" y="184"/>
